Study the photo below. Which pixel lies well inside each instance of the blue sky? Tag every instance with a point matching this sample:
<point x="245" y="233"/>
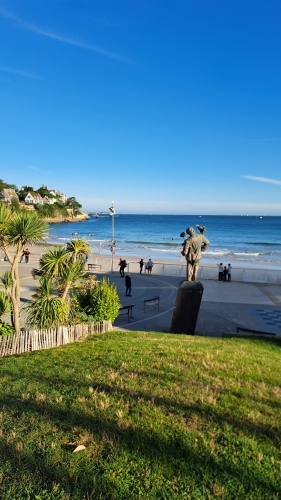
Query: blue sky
<point x="162" y="106"/>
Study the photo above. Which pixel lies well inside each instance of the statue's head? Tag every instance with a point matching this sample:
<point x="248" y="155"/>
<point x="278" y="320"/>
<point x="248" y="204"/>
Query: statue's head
<point x="190" y="231"/>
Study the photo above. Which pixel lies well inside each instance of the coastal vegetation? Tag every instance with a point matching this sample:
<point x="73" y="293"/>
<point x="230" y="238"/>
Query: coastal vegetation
<point x="58" y="299"/>
<point x="47" y="202"/>
<point x="18" y="229"/>
<point x="156" y="416"/>
<point x="98" y="302"/>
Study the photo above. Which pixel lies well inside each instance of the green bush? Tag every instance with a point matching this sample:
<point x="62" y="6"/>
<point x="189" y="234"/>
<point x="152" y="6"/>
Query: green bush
<point x="5" y="328"/>
<point x="100" y="301"/>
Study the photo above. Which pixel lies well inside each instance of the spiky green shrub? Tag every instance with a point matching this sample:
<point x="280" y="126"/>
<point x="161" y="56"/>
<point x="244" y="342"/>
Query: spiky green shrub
<point x="5" y="303"/>
<point x="48" y="312"/>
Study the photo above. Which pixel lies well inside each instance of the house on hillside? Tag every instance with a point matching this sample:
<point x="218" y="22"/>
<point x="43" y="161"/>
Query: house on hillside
<point x="49" y="201"/>
<point x="6" y="195"/>
<point x="61" y="196"/>
<point x="33" y="199"/>
<point x="58" y="194"/>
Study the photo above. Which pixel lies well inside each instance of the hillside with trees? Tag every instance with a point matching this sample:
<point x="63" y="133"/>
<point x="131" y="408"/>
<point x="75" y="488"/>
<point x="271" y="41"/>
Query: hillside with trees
<point x="50" y="204"/>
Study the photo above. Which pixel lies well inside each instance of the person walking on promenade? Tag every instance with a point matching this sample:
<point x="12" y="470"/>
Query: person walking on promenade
<point x="123" y="265"/>
<point x="128" y="283"/>
<point x="26" y="255"/>
<point x="141" y="265"/>
<point x="120" y="266"/>
<point x="21" y="257"/>
<point x="229" y="271"/>
<point x="220" y="266"/>
<point x="149" y="265"/>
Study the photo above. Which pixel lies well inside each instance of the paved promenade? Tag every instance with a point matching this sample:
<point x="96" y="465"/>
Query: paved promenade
<point x="224" y="306"/>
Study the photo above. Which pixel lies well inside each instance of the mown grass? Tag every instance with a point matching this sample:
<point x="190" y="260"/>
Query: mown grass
<point x="161" y="417"/>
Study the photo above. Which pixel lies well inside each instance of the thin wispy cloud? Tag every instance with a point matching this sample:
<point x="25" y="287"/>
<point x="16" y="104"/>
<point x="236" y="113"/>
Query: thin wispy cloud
<point x="262" y="179"/>
<point x="20" y="73"/>
<point x="8" y="14"/>
<point x="82" y="45"/>
<point x="66" y="40"/>
<point x="33" y="168"/>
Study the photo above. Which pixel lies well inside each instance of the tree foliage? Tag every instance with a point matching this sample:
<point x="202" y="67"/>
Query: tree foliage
<point x="72" y="202"/>
<point x="5" y="185"/>
<point x="100" y="300"/>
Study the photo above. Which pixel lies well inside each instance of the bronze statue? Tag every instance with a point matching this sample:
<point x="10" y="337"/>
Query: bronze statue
<point x="192" y="249"/>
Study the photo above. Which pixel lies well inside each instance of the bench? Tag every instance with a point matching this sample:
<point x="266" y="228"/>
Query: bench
<point x="95" y="267"/>
<point x="127" y="310"/>
<point x="152" y="302"/>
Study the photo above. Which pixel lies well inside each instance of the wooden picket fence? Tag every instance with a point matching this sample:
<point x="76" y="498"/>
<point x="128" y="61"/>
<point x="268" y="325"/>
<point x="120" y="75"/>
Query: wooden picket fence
<point x="35" y="340"/>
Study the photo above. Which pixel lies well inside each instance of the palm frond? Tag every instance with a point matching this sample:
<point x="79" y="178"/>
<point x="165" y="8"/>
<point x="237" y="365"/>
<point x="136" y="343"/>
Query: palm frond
<point x="5" y="304"/>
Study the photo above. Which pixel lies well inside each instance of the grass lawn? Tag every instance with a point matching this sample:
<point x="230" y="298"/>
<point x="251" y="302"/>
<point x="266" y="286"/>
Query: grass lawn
<point x="161" y="417"/>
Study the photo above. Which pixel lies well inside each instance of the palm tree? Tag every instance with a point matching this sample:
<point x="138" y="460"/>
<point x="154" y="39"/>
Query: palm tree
<point x="54" y="262"/>
<point x="57" y="264"/>
<point x="79" y="247"/>
<point x="47" y="310"/>
<point x="18" y="229"/>
<point x="73" y="273"/>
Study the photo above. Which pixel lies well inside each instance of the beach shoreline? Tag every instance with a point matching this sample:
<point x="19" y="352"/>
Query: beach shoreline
<point x="104" y="259"/>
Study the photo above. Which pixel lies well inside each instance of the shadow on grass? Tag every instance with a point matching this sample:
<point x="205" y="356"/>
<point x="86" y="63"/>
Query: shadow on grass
<point x="173" y="452"/>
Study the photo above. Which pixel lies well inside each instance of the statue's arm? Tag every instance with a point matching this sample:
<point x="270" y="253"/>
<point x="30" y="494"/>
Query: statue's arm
<point x="206" y="243"/>
<point x="185" y="247"/>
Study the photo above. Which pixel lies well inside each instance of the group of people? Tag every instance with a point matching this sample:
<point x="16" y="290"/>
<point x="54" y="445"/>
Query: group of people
<point x="25" y="255"/>
<point x="148" y="266"/>
<point x="128" y="280"/>
<point x="224" y="272"/>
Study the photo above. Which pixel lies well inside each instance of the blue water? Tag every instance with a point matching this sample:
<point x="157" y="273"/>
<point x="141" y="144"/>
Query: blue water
<point x="251" y="239"/>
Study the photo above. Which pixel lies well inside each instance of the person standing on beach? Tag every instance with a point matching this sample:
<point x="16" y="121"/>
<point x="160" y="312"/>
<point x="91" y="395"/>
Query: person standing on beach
<point x="229" y="271"/>
<point x="149" y="265"/>
<point x="128" y="283"/>
<point x="26" y="255"/>
<point x="224" y="273"/>
<point x="220" y="266"/>
<point x="141" y="265"/>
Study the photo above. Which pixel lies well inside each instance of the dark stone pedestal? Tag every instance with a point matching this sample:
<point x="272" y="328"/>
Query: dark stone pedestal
<point x="187" y="307"/>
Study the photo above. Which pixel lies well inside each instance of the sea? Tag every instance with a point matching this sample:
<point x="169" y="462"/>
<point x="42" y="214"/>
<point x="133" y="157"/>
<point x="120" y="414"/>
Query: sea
<point x="253" y="241"/>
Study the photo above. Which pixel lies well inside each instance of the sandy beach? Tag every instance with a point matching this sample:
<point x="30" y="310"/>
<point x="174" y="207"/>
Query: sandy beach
<point x="105" y="262"/>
